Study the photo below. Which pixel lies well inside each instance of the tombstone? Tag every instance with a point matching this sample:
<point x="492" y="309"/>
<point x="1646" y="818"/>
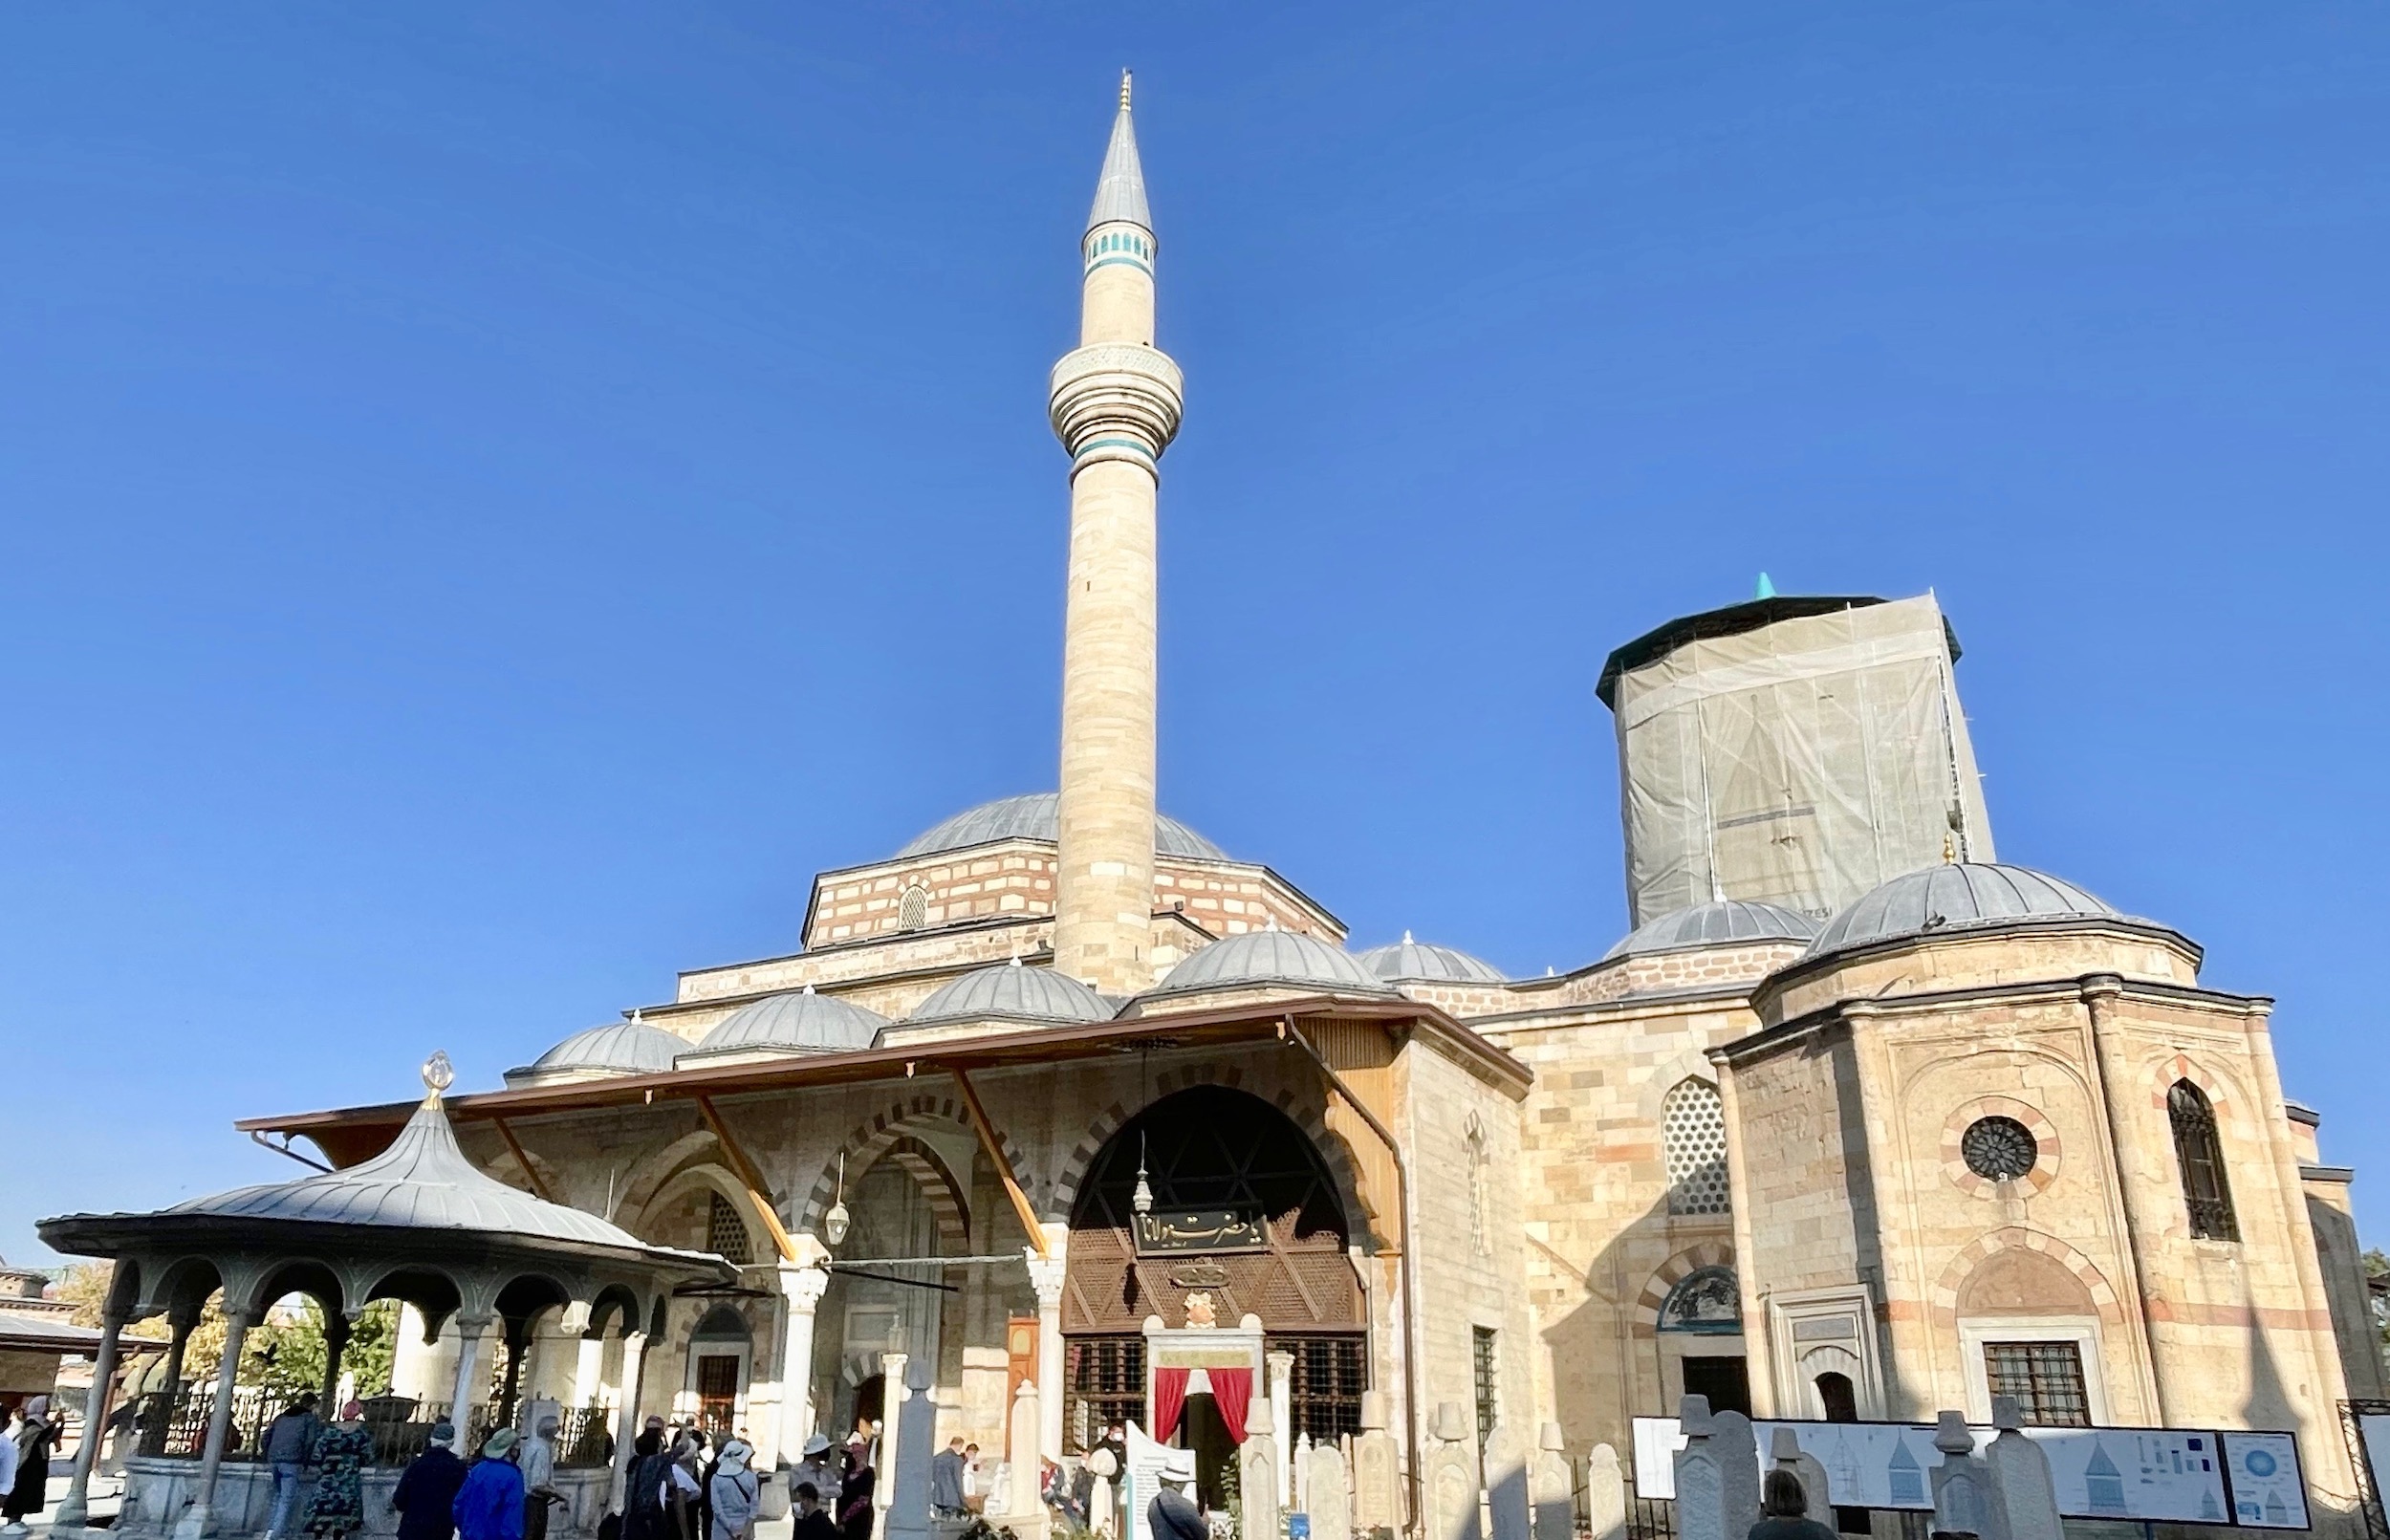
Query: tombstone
<point x="1330" y="1493"/>
<point x="1700" y="1483"/>
<point x="2022" y="1492"/>
<point x="1550" y="1485"/>
<point x="1105" y="1470"/>
<point x="1301" y="1474"/>
<point x="1737" y="1449"/>
<point x="1377" y="1473"/>
<point x="1025" y="1506"/>
<point x="1452" y="1477"/>
<point x="1506" y="1485"/>
<point x="1961" y="1482"/>
<point x="1605" y="1494"/>
<point x="1257" y="1471"/>
<point x="1786" y="1454"/>
<point x="916" y="1442"/>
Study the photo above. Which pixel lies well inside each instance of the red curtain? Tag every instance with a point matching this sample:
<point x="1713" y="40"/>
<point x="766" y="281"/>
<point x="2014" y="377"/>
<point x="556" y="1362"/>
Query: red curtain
<point x="1170" y="1401"/>
<point x="1232" y="1390"/>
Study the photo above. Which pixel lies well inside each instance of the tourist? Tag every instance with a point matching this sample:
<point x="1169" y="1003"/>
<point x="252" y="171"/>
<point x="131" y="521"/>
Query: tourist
<point x="945" y="1480"/>
<point x="856" y="1481"/>
<point x="290" y="1440"/>
<point x="340" y="1453"/>
<point x="642" y="1503"/>
<point x="812" y="1521"/>
<point x="733" y="1494"/>
<point x="538" y="1460"/>
<point x="681" y="1490"/>
<point x="8" y="1454"/>
<point x="973" y="1498"/>
<point x="489" y="1504"/>
<point x="30" y="1493"/>
<point x="1783" y="1511"/>
<point x="426" y="1496"/>
<point x="1173" y="1515"/>
<point x="815" y="1465"/>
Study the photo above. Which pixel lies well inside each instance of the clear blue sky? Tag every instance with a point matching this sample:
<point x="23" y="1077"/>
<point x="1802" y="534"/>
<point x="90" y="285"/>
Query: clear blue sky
<point x="491" y="499"/>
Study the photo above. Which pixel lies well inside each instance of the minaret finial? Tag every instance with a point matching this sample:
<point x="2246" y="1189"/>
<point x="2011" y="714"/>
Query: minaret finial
<point x="1124" y="90"/>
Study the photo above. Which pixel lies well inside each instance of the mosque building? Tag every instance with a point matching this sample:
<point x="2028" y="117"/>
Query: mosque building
<point x="1074" y="1106"/>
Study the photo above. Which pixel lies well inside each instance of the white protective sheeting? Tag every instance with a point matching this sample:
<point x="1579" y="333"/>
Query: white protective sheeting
<point x="1798" y="764"/>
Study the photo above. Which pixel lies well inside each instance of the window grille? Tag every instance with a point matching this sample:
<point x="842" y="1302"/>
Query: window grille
<point x="1694" y="1138"/>
<point x="2046" y="1379"/>
<point x="913" y="908"/>
<point x="2205" y="1192"/>
<point x="725" y="1232"/>
<point x="1103" y="1382"/>
<point x="1324" y="1388"/>
<point x="1481" y="1372"/>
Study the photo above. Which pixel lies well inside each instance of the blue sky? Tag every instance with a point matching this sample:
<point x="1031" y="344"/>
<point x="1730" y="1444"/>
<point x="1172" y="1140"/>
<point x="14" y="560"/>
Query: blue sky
<point x="491" y="499"/>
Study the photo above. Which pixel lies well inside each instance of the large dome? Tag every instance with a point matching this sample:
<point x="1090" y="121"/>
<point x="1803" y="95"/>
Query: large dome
<point x="1284" y="957"/>
<point x="1037" y="816"/>
<point x="618" y="1048"/>
<point x="801" y="1021"/>
<point x="1952" y="897"/>
<point x="1010" y="991"/>
<point x="1424" y="962"/>
<point x="1722" y="924"/>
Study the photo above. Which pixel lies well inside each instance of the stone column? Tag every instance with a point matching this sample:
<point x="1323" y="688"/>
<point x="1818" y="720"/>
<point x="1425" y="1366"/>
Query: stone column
<point x="198" y="1519"/>
<point x="1046" y="1274"/>
<point x="589" y="1367"/>
<point x="892" y="1413"/>
<point x="469" y="1331"/>
<point x="1025" y="1504"/>
<point x="76" y="1507"/>
<point x="180" y="1323"/>
<point x="336" y="1327"/>
<point x="800" y="1290"/>
<point x="626" y="1417"/>
<point x="1282" y="1418"/>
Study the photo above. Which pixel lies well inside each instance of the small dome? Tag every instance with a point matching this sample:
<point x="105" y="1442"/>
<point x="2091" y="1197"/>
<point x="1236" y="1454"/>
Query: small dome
<point x="618" y="1048"/>
<point x="799" y="1021"/>
<point x="1272" y="957"/>
<point x="1427" y="963"/>
<point x="1722" y="924"/>
<point x="1038" y="817"/>
<point x="1951" y="897"/>
<point x="1010" y="991"/>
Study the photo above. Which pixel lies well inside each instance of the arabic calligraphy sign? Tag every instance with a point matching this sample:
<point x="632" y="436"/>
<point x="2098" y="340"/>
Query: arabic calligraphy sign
<point x="1165" y="1231"/>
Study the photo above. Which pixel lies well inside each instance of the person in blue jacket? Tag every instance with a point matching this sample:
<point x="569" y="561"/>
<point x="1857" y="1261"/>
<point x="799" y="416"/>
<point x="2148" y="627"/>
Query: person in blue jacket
<point x="489" y="1504"/>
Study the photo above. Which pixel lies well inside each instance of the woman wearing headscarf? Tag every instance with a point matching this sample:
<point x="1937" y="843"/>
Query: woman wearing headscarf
<point x="855" y="1488"/>
<point x="489" y="1504"/>
<point x="342" y="1450"/>
<point x="734" y="1493"/>
<point x="32" y="1492"/>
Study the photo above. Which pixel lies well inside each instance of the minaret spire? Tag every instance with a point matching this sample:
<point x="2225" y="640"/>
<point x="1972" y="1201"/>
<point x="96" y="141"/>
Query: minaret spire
<point x="1115" y="404"/>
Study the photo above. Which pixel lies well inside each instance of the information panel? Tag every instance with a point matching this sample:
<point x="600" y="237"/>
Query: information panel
<point x="2268" y="1488"/>
<point x="2164" y="1475"/>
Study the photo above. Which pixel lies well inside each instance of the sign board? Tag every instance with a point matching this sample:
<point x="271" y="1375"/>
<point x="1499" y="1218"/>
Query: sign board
<point x="1170" y="1231"/>
<point x="2164" y="1475"/>
<point x="1150" y="1468"/>
<point x="2268" y="1488"/>
<point x="2373" y="1432"/>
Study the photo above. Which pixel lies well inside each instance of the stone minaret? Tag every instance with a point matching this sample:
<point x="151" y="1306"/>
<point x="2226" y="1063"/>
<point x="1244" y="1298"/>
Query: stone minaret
<point x="1116" y="407"/>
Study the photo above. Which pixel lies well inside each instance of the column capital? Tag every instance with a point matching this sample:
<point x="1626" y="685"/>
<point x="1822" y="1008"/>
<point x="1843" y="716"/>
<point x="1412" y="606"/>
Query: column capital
<point x="474" y="1325"/>
<point x="1046" y="1275"/>
<point x="803" y="1287"/>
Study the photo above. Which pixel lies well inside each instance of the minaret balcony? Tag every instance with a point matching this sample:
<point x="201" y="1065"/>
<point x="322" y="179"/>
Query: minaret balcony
<point x="1116" y="400"/>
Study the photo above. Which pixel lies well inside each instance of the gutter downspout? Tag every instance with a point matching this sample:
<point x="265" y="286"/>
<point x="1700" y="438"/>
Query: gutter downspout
<point x="1407" y="1275"/>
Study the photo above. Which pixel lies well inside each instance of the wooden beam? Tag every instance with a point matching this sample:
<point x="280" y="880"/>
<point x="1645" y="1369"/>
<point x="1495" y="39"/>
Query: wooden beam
<point x="752" y="1179"/>
<point x="1004" y="1167"/>
<point x="539" y="1188"/>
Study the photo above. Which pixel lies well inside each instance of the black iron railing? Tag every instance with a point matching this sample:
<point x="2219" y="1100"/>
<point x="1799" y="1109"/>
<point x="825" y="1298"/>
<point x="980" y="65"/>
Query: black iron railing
<point x="174" y="1425"/>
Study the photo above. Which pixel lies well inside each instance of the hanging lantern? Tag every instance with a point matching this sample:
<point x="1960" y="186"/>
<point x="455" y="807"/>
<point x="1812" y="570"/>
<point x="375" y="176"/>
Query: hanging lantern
<point x="1143" y="1199"/>
<point x="834" y="1224"/>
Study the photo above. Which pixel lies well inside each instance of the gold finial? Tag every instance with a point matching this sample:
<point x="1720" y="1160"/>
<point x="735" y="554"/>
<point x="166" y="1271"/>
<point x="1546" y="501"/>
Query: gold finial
<point x="439" y="1073"/>
<point x="1949" y="851"/>
<point x="1124" y="90"/>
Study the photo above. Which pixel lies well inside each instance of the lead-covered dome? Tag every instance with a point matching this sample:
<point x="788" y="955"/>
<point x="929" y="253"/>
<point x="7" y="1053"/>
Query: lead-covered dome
<point x="799" y="1021"/>
<point x="618" y="1048"/>
<point x="1281" y="957"/>
<point x="1725" y="923"/>
<point x="1038" y="817"/>
<point x="1426" y="963"/>
<point x="1010" y="991"/>
<point x="1955" y="896"/>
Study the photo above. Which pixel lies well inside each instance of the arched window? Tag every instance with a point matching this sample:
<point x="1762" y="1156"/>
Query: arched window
<point x="725" y="1232"/>
<point x="1837" y="1397"/>
<point x="2201" y="1156"/>
<point x="1694" y="1138"/>
<point x="913" y="908"/>
<point x="1706" y="1300"/>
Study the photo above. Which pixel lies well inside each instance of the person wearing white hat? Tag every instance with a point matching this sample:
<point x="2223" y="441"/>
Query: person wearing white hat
<point x="815" y="1465"/>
